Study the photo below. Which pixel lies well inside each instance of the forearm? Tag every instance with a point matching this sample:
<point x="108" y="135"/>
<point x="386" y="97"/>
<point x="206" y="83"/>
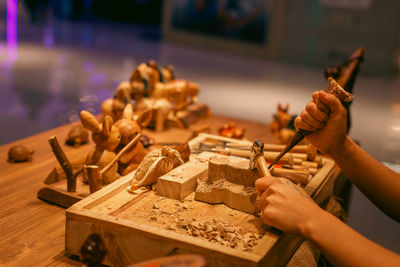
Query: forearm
<point x="380" y="184"/>
<point x="345" y="247"/>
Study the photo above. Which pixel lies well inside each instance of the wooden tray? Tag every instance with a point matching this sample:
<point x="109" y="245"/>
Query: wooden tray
<point x="138" y="227"/>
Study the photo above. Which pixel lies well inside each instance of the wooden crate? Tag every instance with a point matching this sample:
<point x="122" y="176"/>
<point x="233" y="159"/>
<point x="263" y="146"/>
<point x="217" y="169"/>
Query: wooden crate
<point x="138" y="227"/>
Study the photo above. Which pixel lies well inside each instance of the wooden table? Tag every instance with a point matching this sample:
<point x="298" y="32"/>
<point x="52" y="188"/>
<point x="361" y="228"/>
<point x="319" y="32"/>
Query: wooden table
<point x="31" y="230"/>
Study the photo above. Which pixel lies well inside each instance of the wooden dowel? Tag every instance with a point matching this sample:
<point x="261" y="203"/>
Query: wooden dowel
<point x="297" y="176"/>
<point x="262" y="166"/>
<point x="269" y="156"/>
<point x="312" y="171"/>
<point x="310" y="164"/>
<point x="126" y="148"/>
<point x="308" y="152"/>
<point x="64" y="162"/>
<point x="94" y="178"/>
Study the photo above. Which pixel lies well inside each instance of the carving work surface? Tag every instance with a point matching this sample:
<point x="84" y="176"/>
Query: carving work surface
<point x="230" y="181"/>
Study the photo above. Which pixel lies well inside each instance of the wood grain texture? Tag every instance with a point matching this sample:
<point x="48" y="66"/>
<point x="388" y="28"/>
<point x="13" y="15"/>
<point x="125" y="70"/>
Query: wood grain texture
<point x="32" y="231"/>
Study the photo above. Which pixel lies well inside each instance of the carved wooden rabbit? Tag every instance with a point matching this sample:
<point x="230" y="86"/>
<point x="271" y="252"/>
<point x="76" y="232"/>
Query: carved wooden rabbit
<point x="129" y="128"/>
<point x="106" y="137"/>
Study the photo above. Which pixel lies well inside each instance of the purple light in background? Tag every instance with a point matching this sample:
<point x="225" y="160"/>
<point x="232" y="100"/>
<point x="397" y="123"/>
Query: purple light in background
<point x="48" y="37"/>
<point x="12" y="30"/>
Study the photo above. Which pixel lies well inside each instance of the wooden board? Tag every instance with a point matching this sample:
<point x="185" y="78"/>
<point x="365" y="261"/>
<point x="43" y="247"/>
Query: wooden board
<point x="137" y="227"/>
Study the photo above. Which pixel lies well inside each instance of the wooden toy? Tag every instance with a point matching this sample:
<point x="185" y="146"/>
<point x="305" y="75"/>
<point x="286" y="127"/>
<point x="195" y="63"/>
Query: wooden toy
<point x="77" y="136"/>
<point x="114" y="107"/>
<point x="158" y="162"/>
<point x="19" y="153"/>
<point x="128" y="129"/>
<point x="161" y="107"/>
<point x="155" y="164"/>
<point x="230" y="130"/>
<point x="104" y="135"/>
<point x="280" y="126"/>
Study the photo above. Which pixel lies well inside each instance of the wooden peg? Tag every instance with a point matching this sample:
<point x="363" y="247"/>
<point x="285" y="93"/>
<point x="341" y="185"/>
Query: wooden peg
<point x="94" y="178"/>
<point x="65" y="163"/>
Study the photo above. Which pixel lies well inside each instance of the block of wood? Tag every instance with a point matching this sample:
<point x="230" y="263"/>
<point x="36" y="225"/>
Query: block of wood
<point x="230" y="182"/>
<point x="235" y="196"/>
<point x="182" y="180"/>
<point x="233" y="169"/>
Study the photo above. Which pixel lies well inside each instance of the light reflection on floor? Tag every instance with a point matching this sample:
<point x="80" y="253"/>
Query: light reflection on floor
<point x="59" y="68"/>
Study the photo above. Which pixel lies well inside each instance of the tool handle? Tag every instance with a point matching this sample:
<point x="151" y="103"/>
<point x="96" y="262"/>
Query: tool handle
<point x="262" y="166"/>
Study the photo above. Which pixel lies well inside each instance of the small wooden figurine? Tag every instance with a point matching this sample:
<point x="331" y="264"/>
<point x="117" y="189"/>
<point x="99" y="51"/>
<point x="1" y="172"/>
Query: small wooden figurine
<point x="19" y="153"/>
<point x="114" y="107"/>
<point x="106" y="136"/>
<point x="77" y="136"/>
<point x="281" y="126"/>
<point x="129" y="128"/>
<point x="155" y="164"/>
<point x="158" y="162"/>
<point x="230" y="130"/>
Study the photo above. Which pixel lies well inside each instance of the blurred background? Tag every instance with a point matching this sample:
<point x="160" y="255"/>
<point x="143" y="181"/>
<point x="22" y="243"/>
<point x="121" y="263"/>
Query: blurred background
<point x="58" y="57"/>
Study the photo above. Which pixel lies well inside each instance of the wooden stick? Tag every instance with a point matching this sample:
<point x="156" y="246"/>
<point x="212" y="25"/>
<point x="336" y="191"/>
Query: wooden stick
<point x="312" y="171"/>
<point x="126" y="148"/>
<point x="64" y="162"/>
<point x="288" y="158"/>
<point x="308" y="150"/>
<point x="94" y="178"/>
<point x="297" y="176"/>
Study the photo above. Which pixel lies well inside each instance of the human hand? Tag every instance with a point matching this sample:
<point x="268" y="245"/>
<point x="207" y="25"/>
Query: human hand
<point x="285" y="205"/>
<point x="326" y="118"/>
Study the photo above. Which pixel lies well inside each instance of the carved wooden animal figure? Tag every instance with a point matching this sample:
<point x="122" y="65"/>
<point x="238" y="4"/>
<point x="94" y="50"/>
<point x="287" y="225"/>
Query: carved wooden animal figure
<point x="77" y="136"/>
<point x="19" y="153"/>
<point x="129" y="128"/>
<point x="146" y="73"/>
<point x="104" y="135"/>
<point x="181" y="92"/>
<point x="160" y="108"/>
<point x="282" y="116"/>
<point x="161" y="83"/>
<point x="114" y="107"/>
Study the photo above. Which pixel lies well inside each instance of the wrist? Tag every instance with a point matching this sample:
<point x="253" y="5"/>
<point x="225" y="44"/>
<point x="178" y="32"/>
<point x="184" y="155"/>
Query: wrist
<point x="314" y="224"/>
<point x="342" y="150"/>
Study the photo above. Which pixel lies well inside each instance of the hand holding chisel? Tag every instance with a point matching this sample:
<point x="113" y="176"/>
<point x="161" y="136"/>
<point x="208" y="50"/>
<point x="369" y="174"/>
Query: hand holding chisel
<point x="316" y="123"/>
